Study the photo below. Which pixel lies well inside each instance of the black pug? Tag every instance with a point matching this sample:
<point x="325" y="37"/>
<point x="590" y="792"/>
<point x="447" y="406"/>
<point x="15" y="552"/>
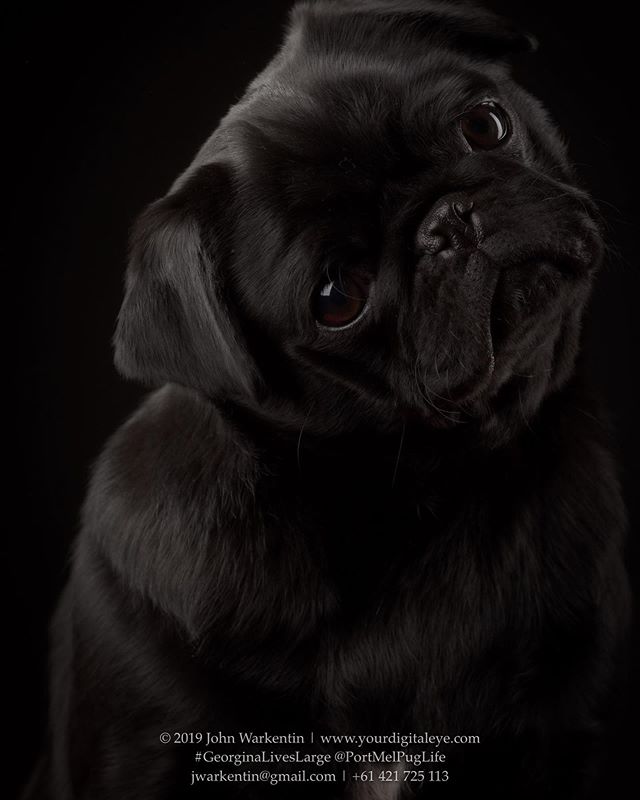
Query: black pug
<point x="371" y="496"/>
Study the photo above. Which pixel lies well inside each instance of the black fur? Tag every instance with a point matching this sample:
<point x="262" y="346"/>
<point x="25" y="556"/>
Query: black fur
<point x="410" y="524"/>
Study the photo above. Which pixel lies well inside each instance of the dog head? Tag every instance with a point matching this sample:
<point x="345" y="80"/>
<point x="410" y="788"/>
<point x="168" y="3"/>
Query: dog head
<point x="384" y="227"/>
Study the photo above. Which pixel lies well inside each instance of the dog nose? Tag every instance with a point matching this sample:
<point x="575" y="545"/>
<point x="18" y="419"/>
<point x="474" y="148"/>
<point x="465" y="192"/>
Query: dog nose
<point x="450" y="225"/>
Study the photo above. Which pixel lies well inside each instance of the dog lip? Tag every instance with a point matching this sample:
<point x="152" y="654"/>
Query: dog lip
<point x="477" y="384"/>
<point x="478" y="381"/>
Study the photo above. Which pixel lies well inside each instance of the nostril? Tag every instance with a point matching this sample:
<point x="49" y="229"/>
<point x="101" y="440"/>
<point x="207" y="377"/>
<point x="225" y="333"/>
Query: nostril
<point x="436" y="240"/>
<point x="451" y="225"/>
<point x="462" y="209"/>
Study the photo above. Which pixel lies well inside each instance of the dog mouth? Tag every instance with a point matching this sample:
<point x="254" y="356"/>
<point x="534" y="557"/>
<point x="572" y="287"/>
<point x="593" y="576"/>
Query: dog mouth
<point x="463" y="359"/>
<point x="516" y="298"/>
<point x="523" y="294"/>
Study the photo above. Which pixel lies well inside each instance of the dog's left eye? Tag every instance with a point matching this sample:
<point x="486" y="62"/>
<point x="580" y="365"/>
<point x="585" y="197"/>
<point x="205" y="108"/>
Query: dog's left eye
<point x="342" y="300"/>
<point x="485" y="127"/>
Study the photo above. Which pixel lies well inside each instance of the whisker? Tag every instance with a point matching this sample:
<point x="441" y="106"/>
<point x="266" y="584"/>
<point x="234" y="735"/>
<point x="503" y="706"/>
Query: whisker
<point x="395" y="469"/>
<point x="299" y="444"/>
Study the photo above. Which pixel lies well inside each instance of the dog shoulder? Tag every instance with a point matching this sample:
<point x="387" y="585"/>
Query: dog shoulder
<point x="168" y="491"/>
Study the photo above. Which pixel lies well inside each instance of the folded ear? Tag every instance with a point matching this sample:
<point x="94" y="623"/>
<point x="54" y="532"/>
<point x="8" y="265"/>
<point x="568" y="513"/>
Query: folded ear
<point x="487" y="34"/>
<point x="465" y="26"/>
<point x="174" y="324"/>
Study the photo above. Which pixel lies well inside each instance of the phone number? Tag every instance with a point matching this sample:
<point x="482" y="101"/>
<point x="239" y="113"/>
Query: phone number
<point x="405" y="775"/>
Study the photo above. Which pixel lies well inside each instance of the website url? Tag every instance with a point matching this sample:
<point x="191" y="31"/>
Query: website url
<point x="401" y="739"/>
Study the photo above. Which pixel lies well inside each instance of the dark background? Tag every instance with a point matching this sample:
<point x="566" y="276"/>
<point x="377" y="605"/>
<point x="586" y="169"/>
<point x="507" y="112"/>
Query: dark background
<point x="106" y="108"/>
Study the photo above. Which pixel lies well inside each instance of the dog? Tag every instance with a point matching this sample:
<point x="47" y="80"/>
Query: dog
<point x="368" y="524"/>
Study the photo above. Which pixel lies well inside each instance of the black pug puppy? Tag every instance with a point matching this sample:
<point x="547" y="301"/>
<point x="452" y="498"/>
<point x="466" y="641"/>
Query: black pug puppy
<point x="371" y="496"/>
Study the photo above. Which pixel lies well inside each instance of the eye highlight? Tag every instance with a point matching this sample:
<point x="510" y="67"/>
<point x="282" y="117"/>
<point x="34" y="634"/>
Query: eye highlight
<point x="485" y="127"/>
<point x="341" y="300"/>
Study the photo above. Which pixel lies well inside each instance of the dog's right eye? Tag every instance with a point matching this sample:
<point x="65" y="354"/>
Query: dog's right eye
<point x="341" y="301"/>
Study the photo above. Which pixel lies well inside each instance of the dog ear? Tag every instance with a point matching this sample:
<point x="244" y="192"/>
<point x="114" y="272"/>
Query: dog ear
<point x="174" y="324"/>
<point x="463" y="26"/>
<point x="475" y="29"/>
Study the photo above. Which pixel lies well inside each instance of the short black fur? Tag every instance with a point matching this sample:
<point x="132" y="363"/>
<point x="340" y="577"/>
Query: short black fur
<point x="412" y="523"/>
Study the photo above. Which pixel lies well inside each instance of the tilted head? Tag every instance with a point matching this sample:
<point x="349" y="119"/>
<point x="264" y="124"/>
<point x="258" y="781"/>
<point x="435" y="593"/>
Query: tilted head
<point x="384" y="227"/>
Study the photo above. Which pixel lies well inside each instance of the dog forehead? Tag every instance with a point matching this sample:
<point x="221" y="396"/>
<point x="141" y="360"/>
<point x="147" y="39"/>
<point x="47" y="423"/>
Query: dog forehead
<point x="354" y="75"/>
<point x="362" y="66"/>
<point x="389" y="41"/>
<point x="384" y="113"/>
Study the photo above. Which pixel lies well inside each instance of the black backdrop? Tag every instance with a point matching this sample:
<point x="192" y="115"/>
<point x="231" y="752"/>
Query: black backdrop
<point x="106" y="108"/>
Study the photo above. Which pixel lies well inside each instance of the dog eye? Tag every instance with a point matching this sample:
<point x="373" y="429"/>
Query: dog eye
<point x="342" y="300"/>
<point x="485" y="127"/>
